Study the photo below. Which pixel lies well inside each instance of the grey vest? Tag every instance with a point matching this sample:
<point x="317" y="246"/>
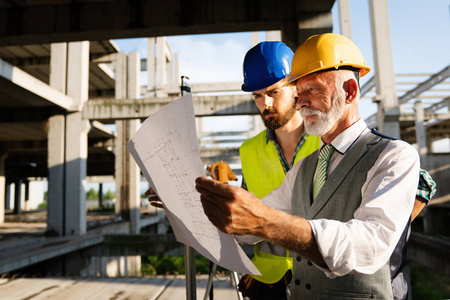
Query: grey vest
<point x="338" y="200"/>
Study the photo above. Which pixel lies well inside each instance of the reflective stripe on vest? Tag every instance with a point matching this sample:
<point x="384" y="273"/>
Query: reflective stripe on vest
<point x="263" y="172"/>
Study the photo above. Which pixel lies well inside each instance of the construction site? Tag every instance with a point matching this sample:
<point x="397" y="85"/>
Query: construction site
<point x="71" y="100"/>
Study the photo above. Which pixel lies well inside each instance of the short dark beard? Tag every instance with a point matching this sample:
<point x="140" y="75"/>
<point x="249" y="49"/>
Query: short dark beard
<point x="279" y="120"/>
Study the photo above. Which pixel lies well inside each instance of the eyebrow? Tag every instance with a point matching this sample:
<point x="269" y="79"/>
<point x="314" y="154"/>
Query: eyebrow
<point x="259" y="93"/>
<point x="311" y="84"/>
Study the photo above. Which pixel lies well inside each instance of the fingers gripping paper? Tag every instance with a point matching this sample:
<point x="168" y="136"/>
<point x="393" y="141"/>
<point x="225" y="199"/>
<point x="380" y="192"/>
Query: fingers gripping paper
<point x="166" y="150"/>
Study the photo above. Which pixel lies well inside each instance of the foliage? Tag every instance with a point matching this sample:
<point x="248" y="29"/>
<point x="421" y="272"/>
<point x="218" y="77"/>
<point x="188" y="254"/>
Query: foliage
<point x="104" y="209"/>
<point x="92" y="195"/>
<point x="162" y="265"/>
<point x="42" y="205"/>
<point x="109" y="195"/>
<point x="428" y="284"/>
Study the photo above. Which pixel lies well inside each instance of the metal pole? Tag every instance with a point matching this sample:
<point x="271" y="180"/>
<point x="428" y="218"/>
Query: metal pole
<point x="235" y="278"/>
<point x="189" y="253"/>
<point x="212" y="271"/>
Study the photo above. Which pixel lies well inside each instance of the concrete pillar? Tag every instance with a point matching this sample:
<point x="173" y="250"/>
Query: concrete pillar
<point x="100" y="195"/>
<point x="126" y="171"/>
<point x="76" y="136"/>
<point x="199" y="126"/>
<point x="56" y="179"/>
<point x="255" y="125"/>
<point x="309" y="24"/>
<point x="421" y="136"/>
<point x="344" y="18"/>
<point x="273" y="35"/>
<point x="160" y="66"/>
<point x="388" y="110"/>
<point x="26" y="205"/>
<point x="255" y="38"/>
<point x="56" y="127"/>
<point x="151" y="67"/>
<point x="18" y="196"/>
<point x="8" y="195"/>
<point x="176" y="69"/>
<point x="2" y="188"/>
<point x="121" y="205"/>
<point x="58" y="66"/>
<point x="169" y="70"/>
<point x="134" y="176"/>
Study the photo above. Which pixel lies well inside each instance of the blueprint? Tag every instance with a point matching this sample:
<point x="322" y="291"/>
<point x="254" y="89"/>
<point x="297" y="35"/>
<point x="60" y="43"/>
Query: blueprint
<point x="167" y="152"/>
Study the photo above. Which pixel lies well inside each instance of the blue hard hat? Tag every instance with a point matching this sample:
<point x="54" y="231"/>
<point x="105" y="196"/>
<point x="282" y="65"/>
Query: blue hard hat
<point x="266" y="64"/>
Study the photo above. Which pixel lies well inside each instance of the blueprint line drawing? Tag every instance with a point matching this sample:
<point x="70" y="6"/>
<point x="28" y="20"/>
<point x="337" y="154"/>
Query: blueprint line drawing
<point x="166" y="150"/>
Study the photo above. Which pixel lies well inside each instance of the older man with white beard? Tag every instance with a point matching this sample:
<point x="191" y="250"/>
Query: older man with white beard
<point x="344" y="208"/>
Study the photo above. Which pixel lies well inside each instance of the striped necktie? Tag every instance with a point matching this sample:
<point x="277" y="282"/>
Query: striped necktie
<point x="322" y="165"/>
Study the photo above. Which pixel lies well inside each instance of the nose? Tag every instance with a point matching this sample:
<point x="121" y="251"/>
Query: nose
<point x="268" y="101"/>
<point x="302" y="101"/>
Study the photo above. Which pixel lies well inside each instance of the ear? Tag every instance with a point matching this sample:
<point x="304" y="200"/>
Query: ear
<point x="351" y="90"/>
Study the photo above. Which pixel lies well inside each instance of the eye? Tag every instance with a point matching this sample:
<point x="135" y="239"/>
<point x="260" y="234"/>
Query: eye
<point x="273" y="93"/>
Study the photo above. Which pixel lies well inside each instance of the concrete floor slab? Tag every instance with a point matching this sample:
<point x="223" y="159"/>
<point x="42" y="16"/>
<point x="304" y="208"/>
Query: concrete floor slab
<point x="152" y="288"/>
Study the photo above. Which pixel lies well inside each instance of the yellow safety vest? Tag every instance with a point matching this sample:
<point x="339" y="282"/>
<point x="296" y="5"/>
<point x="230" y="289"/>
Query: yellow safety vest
<point x="263" y="172"/>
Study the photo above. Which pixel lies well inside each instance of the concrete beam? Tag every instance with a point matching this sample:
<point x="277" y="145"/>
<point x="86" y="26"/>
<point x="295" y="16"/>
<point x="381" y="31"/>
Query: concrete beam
<point x="34" y="86"/>
<point x="116" y="109"/>
<point x="371" y="121"/>
<point x="196" y="88"/>
<point x="426" y="85"/>
<point x="63" y="21"/>
<point x="368" y="86"/>
<point x="438" y="106"/>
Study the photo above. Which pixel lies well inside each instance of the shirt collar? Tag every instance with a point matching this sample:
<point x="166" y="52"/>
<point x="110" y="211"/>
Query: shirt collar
<point x="270" y="135"/>
<point x="347" y="138"/>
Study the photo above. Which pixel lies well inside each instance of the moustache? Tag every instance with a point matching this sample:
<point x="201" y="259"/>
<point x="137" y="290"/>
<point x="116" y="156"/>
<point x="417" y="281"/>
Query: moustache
<point x="309" y="111"/>
<point x="269" y="111"/>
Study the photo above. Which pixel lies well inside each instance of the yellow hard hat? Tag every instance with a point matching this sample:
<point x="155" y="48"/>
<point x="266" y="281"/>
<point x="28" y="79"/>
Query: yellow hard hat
<point x="326" y="51"/>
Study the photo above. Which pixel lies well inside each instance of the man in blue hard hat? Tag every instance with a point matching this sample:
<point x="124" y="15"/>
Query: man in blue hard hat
<point x="268" y="156"/>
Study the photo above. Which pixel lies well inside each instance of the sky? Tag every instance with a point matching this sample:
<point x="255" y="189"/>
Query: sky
<point x="420" y="36"/>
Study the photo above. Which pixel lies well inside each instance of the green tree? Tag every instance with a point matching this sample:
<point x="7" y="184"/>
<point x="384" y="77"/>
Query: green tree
<point x="109" y="195"/>
<point x="92" y="195"/>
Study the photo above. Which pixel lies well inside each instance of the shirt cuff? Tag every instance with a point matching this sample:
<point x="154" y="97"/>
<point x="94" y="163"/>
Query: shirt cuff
<point x="248" y="239"/>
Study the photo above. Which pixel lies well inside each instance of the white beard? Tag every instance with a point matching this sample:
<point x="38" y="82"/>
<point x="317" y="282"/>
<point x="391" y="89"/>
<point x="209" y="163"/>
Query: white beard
<point x="325" y="120"/>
